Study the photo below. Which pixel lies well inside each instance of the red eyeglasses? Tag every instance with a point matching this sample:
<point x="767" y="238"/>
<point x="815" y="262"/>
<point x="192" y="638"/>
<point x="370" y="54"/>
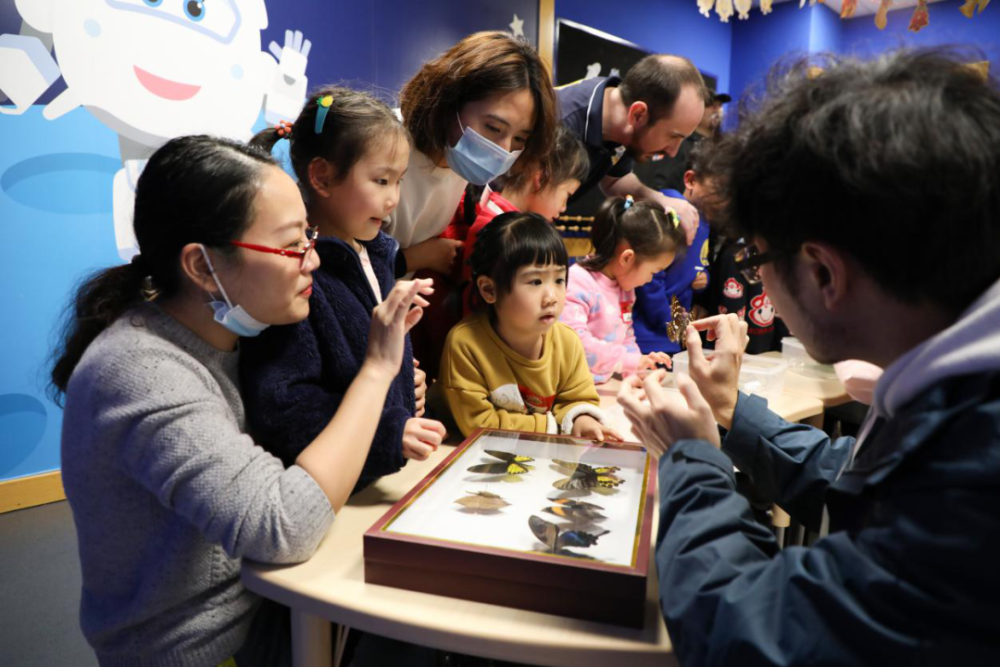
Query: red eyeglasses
<point x="311" y="234"/>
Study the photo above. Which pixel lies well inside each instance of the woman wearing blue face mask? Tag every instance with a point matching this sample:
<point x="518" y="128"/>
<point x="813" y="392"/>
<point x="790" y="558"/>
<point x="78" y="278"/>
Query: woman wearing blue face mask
<point x="484" y="107"/>
<point x="168" y="491"/>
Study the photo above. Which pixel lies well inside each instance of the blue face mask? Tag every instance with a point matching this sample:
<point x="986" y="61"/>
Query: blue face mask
<point x="477" y="159"/>
<point x="237" y="320"/>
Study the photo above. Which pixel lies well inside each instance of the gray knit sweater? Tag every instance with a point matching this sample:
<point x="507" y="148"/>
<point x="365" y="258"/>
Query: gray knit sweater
<point x="168" y="494"/>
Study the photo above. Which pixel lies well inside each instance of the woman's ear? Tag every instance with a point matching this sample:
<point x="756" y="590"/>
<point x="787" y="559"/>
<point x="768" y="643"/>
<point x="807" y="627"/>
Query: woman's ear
<point x="487" y="289"/>
<point x="195" y="268"/>
<point x="321" y="176"/>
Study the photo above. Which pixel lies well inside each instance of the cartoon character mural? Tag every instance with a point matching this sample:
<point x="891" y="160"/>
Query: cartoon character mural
<point x="136" y="73"/>
<point x="151" y="70"/>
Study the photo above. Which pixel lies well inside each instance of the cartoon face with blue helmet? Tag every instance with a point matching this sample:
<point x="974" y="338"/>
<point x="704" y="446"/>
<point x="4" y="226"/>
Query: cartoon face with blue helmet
<point x="151" y="70"/>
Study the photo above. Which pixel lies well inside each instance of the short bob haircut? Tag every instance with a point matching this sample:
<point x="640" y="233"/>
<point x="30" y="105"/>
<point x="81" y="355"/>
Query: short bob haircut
<point x="481" y="65"/>
<point x="510" y="241"/>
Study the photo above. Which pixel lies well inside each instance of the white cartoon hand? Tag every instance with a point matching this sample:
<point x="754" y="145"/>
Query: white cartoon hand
<point x="28" y="70"/>
<point x="288" y="88"/>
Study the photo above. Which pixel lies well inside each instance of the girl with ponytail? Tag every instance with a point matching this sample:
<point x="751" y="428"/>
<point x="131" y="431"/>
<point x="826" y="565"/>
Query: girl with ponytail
<point x="349" y="153"/>
<point x="632" y="241"/>
<point x="168" y="490"/>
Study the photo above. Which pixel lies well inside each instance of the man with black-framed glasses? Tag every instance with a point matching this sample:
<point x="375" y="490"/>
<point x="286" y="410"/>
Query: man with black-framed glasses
<point x="853" y="187"/>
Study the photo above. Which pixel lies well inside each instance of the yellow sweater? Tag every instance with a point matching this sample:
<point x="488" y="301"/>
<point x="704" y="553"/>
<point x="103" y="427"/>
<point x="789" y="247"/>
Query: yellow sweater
<point x="489" y="385"/>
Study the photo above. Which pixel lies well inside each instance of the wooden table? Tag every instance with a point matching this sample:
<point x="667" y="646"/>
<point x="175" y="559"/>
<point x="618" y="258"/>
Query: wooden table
<point x="793" y="407"/>
<point x="828" y="390"/>
<point x="330" y="587"/>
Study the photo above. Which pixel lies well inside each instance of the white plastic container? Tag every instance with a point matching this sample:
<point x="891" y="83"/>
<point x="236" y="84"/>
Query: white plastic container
<point x="758" y="375"/>
<point x="794" y="352"/>
<point x="799" y="361"/>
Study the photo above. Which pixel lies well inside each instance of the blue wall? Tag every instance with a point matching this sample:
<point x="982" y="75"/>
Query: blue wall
<point x="665" y="26"/>
<point x="947" y="26"/>
<point x="760" y="41"/>
<point x="56" y="181"/>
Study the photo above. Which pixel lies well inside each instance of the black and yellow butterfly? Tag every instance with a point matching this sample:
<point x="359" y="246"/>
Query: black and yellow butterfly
<point x="575" y="510"/>
<point x="583" y="476"/>
<point x="680" y="318"/>
<point x="513" y="464"/>
<point x="556" y="539"/>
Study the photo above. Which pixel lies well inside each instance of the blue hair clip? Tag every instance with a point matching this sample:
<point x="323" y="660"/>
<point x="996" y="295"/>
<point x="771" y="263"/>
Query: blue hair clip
<point x="629" y="200"/>
<point x="322" y="108"/>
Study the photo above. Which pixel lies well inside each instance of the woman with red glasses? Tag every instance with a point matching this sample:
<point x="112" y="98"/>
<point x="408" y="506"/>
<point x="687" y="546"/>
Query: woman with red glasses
<point x="168" y="491"/>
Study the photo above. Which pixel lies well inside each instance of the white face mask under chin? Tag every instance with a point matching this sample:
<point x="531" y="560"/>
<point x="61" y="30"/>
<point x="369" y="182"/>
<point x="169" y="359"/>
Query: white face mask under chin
<point x="235" y="319"/>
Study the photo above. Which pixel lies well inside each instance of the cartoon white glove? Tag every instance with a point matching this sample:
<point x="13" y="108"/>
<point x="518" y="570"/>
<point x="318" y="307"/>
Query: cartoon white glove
<point x="27" y="70"/>
<point x="289" y="86"/>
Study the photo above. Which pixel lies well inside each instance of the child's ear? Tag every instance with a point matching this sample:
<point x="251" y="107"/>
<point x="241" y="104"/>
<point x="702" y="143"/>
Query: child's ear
<point x="536" y="182"/>
<point x="321" y="176"/>
<point x="688" y="178"/>
<point x="627" y="258"/>
<point x="487" y="289"/>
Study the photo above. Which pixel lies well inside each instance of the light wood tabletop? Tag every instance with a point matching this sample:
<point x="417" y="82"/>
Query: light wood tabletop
<point x="330" y="587"/>
<point x="814" y="381"/>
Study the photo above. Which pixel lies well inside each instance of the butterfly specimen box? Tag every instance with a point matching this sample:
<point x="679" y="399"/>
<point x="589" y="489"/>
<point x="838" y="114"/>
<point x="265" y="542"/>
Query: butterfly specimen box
<point x="545" y="523"/>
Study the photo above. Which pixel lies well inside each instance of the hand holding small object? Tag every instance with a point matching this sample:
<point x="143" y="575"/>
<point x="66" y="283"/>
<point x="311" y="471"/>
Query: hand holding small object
<point x="650" y="361"/>
<point x="718" y="377"/>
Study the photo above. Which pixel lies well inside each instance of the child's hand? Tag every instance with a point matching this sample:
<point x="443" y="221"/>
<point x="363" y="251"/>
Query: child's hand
<point x="586" y="426"/>
<point x="421" y="437"/>
<point x="700" y="282"/>
<point x="438" y="254"/>
<point x="391" y="321"/>
<point x="649" y="361"/>
<point x="419" y="388"/>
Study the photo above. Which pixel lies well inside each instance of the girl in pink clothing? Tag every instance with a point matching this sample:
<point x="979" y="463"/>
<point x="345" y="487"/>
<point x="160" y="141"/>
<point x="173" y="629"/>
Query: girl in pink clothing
<point x="632" y="241"/>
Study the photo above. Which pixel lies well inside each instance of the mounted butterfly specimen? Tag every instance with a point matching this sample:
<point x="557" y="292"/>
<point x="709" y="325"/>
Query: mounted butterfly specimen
<point x="513" y="464"/>
<point x="482" y="501"/>
<point x="576" y="510"/>
<point x="583" y="476"/>
<point x="680" y="318"/>
<point x="556" y="539"/>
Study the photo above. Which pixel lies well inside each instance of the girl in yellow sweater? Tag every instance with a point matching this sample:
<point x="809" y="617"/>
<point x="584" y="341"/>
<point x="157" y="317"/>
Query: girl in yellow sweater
<point x="512" y="364"/>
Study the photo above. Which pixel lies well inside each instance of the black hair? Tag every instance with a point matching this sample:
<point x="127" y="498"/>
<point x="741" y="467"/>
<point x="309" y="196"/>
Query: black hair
<point x="510" y="241"/>
<point x="894" y="161"/>
<point x="644" y="225"/>
<point x="194" y="189"/>
<point x="567" y="160"/>
<point x="354" y="120"/>
<point x="658" y="80"/>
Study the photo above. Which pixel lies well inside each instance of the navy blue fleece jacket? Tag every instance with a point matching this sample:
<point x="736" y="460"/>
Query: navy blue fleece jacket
<point x="294" y="377"/>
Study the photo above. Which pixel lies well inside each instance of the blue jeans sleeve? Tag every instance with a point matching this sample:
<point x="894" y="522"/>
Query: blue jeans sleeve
<point x="789" y="464"/>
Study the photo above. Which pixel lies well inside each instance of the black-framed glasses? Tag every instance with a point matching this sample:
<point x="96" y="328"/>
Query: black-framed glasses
<point x="749" y="260"/>
<point x="312" y="233"/>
